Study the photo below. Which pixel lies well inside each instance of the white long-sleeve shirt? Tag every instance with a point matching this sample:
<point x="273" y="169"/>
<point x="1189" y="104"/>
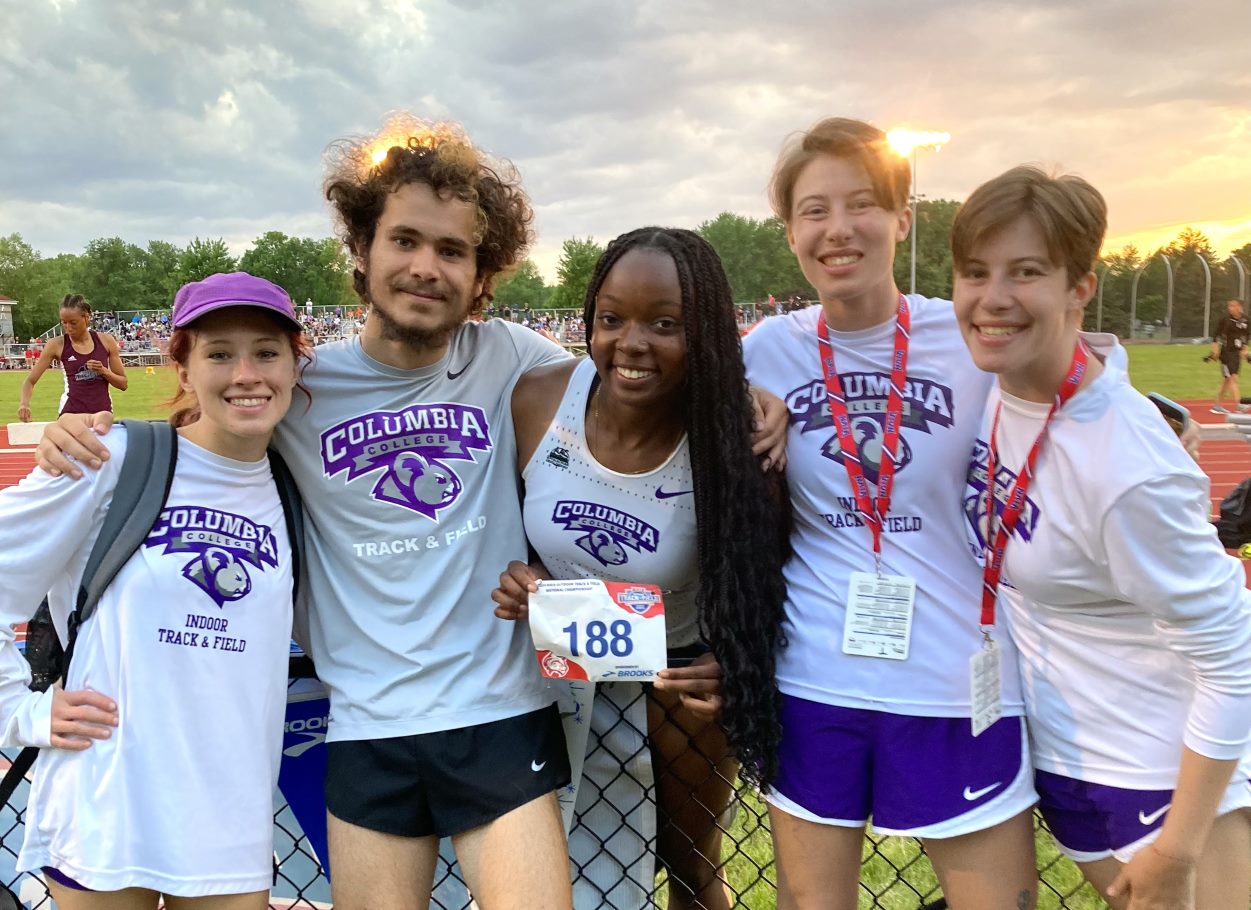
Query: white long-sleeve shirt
<point x="1133" y="625"/>
<point x="191" y="641"/>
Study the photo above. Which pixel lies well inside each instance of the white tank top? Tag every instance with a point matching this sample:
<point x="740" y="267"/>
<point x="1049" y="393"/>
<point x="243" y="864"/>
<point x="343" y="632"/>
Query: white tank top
<point x="586" y="521"/>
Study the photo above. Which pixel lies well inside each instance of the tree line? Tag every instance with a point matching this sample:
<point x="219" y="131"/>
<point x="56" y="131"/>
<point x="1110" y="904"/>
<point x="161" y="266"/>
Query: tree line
<point x="119" y="276"/>
<point x="116" y="276"/>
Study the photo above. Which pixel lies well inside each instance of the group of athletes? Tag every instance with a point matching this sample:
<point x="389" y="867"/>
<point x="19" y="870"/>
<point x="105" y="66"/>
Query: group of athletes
<point x="926" y="565"/>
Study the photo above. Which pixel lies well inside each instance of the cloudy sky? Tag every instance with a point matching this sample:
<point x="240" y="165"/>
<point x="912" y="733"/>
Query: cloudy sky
<point x="171" y="120"/>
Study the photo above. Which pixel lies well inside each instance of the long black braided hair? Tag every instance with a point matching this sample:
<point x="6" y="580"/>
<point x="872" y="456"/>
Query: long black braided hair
<point x="742" y="515"/>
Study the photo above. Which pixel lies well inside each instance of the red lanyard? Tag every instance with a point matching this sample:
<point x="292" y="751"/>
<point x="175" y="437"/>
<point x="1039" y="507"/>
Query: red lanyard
<point x="872" y="511"/>
<point x="1015" y="503"/>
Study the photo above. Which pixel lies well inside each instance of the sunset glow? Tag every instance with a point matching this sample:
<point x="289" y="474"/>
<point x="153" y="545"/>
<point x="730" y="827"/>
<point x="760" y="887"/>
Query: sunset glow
<point x="904" y="141"/>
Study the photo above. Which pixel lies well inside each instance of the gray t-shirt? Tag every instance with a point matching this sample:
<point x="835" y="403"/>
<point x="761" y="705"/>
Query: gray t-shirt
<point x="409" y="480"/>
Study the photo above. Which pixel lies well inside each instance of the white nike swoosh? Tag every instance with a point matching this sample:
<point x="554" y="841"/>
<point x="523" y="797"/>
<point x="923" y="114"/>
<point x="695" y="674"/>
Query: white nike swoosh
<point x="1154" y="816"/>
<point x="537" y="766"/>
<point x="972" y="795"/>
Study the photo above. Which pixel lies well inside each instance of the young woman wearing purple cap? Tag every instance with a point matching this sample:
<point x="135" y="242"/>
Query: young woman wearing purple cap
<point x="160" y="754"/>
<point x="91" y="360"/>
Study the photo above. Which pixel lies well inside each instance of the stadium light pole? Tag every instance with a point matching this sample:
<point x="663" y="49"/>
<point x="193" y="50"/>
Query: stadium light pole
<point x="906" y="144"/>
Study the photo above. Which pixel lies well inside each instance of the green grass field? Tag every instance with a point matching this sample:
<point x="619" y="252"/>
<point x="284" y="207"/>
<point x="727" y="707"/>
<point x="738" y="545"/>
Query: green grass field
<point x="144" y="398"/>
<point x="1173" y="370"/>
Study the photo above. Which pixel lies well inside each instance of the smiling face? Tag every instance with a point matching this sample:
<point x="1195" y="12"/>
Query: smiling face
<point x="638" y="340"/>
<point x="843" y="236"/>
<point x="241" y="370"/>
<point x="421" y="271"/>
<point x="1018" y="311"/>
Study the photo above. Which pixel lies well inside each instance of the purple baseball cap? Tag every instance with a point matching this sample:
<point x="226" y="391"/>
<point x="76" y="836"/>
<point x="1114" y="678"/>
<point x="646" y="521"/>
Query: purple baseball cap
<point x="231" y="289"/>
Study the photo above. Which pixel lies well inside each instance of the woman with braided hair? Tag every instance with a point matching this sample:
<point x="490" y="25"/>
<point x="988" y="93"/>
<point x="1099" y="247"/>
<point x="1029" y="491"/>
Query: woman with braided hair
<point x="657" y="424"/>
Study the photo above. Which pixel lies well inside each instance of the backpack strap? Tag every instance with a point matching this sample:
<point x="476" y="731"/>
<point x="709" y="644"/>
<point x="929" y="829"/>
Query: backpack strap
<point x="292" y="512"/>
<point x="142" y="488"/>
<point x="299" y="666"/>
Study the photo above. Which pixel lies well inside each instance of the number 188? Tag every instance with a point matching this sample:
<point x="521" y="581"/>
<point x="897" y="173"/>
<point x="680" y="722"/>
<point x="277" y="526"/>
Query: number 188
<point x="602" y="638"/>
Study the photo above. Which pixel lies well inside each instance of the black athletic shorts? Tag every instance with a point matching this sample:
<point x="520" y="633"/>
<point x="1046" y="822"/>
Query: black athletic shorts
<point x="1231" y="362"/>
<point x="446" y="782"/>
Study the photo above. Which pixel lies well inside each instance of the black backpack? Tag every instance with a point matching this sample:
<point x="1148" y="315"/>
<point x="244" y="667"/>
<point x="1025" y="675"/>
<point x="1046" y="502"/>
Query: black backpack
<point x="1234" y="525"/>
<point x="142" y="488"/>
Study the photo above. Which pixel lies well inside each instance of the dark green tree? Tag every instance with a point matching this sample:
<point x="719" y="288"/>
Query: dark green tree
<point x="577" y="263"/>
<point x="39" y="287"/>
<point x="308" y="269"/>
<point x="159" y="275"/>
<point x="1189" y="281"/>
<point x="756" y="258"/>
<point x="524" y="288"/>
<point x="1116" y="275"/>
<point x="14" y="254"/>
<point x="112" y="275"/>
<point x="933" y="227"/>
<point x="202" y="258"/>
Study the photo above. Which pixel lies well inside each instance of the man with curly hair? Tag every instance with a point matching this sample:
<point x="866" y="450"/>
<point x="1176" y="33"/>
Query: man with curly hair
<point x="439" y="722"/>
<point x="440" y="725"/>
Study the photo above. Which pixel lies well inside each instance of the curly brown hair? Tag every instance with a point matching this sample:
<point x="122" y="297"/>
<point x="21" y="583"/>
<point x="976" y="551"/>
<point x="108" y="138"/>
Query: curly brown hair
<point x="361" y="172"/>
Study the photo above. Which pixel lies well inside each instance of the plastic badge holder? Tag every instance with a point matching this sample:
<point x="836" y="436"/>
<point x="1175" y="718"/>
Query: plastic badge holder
<point x="601" y="631"/>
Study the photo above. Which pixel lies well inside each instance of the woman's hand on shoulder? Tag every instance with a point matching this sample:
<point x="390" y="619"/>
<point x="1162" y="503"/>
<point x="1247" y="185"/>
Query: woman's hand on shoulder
<point x="80" y="717"/>
<point x="770" y="420"/>
<point x="517" y="583"/>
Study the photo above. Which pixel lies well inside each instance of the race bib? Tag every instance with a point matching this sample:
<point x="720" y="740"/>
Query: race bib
<point x="879" y="615"/>
<point x="598" y="630"/>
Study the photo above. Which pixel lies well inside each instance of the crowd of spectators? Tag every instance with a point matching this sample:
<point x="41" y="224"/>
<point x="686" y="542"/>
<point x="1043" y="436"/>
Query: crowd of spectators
<point x="138" y="333"/>
<point x="148" y="332"/>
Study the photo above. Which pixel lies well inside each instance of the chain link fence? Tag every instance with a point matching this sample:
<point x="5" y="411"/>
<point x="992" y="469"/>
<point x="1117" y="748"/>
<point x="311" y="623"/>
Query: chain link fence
<point x="650" y="819"/>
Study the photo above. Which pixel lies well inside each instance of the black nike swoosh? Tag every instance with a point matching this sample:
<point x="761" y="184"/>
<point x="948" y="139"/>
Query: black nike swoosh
<point x="456" y="375"/>
<point x="661" y="494"/>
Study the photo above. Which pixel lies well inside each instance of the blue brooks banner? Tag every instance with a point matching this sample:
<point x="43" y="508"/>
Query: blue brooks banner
<point x="303" y="767"/>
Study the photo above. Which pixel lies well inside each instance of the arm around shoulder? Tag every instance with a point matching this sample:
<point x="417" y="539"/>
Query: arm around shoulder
<point x="536" y="397"/>
<point x="533" y="350"/>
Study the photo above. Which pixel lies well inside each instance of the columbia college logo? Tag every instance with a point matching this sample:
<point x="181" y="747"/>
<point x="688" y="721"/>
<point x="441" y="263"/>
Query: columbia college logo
<point x="977" y="495"/>
<point x="925" y="404"/>
<point x="410" y="450"/>
<point x="223" y="546"/>
<point x="607" y="534"/>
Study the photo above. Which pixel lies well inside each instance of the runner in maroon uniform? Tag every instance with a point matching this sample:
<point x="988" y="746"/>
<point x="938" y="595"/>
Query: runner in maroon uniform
<point x="92" y="362"/>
